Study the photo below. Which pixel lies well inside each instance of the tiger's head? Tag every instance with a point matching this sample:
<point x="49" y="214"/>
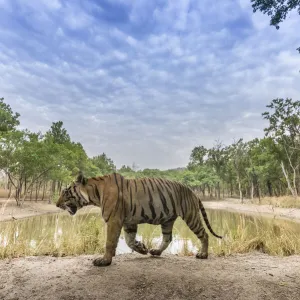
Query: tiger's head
<point x="75" y="196"/>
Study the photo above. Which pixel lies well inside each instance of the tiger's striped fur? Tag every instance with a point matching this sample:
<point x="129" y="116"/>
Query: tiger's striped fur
<point x="129" y="202"/>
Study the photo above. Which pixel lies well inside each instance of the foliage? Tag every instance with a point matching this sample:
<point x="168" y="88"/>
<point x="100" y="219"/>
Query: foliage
<point x="277" y="9"/>
<point x="256" y="168"/>
<point x="8" y="120"/>
<point x="104" y="164"/>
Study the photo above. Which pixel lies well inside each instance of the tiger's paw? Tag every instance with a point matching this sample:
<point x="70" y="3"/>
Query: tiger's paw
<point x="140" y="248"/>
<point x="101" y="262"/>
<point x="155" y="252"/>
<point x="201" y="255"/>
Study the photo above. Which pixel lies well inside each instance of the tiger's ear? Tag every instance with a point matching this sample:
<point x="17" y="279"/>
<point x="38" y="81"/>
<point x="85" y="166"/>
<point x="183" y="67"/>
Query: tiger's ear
<point x="81" y="179"/>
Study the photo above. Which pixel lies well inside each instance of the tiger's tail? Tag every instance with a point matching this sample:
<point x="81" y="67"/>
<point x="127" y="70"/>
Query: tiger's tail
<point x="203" y="212"/>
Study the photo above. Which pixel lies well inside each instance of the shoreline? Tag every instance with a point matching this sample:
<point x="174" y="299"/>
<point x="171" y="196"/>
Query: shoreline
<point x="263" y="210"/>
<point x="9" y="211"/>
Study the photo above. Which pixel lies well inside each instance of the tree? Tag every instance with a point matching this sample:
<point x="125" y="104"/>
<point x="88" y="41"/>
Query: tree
<point x="216" y="158"/>
<point x="8" y="119"/>
<point x="277" y="9"/>
<point x="238" y="154"/>
<point x="284" y="128"/>
<point x="8" y="123"/>
<point x="25" y="157"/>
<point x="198" y="156"/>
<point x="125" y="169"/>
<point x="58" y="133"/>
<point x="104" y="163"/>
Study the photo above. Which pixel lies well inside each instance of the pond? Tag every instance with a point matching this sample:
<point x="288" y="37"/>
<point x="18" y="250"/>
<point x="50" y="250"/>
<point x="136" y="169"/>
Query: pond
<point x="61" y="234"/>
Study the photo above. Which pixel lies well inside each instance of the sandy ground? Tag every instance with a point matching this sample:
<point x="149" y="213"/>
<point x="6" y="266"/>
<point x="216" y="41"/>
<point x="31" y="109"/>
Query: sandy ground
<point x="132" y="276"/>
<point x="264" y="210"/>
<point x="9" y="209"/>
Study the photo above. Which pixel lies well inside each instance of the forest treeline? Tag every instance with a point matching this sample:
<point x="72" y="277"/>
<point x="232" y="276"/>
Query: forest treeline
<point x="43" y="163"/>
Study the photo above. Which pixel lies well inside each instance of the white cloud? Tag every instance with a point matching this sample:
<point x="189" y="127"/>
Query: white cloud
<point x="176" y="74"/>
<point x="75" y="19"/>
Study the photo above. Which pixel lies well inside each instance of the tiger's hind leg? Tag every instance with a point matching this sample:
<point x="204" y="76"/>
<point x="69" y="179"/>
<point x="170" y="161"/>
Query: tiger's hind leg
<point x="130" y="234"/>
<point x="167" y="238"/>
<point x="195" y="224"/>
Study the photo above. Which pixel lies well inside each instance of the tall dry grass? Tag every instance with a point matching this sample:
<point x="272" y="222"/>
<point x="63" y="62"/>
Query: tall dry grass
<point x="282" y="201"/>
<point x="52" y="235"/>
<point x="61" y="235"/>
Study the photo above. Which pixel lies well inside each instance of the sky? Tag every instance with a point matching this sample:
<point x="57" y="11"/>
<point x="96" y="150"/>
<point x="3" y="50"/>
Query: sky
<point x="145" y="81"/>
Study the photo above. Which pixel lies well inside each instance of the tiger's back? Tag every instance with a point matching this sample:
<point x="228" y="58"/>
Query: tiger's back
<point x="156" y="200"/>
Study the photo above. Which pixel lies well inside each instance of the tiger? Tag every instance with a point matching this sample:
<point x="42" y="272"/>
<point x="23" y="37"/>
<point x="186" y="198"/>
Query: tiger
<point x="125" y="203"/>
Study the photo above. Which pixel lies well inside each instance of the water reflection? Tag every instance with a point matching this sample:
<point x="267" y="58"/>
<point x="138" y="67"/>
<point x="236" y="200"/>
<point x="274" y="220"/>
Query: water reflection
<point x="85" y="233"/>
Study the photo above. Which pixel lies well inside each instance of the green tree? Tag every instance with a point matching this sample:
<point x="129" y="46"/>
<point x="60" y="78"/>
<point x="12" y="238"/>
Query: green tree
<point x="25" y="157"/>
<point x="104" y="164"/>
<point x="284" y="128"/>
<point x="58" y="133"/>
<point x="198" y="156"/>
<point x="216" y="158"/>
<point x="70" y="155"/>
<point x="238" y="155"/>
<point x="8" y="119"/>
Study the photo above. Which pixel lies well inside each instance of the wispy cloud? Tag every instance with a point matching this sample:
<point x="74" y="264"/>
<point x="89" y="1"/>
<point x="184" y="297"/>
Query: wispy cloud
<point x="145" y="81"/>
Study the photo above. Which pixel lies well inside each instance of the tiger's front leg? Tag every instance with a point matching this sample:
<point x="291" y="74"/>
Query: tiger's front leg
<point x="113" y="230"/>
<point x="130" y="234"/>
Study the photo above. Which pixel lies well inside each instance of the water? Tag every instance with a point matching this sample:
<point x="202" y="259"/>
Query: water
<point x="85" y="233"/>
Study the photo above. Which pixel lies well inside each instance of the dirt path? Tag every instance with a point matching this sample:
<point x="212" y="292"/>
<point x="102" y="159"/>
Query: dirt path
<point x="9" y="209"/>
<point x="131" y="276"/>
<point x="248" y="208"/>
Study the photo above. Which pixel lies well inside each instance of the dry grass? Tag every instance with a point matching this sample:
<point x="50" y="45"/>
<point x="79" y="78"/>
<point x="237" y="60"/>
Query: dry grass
<point x="52" y="235"/>
<point x="283" y="201"/>
<point x="246" y="234"/>
<point x="271" y="237"/>
<point x="61" y="235"/>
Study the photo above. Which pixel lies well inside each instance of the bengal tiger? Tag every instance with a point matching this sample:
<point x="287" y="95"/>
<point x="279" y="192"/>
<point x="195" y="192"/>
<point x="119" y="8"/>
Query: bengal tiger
<point x="129" y="202"/>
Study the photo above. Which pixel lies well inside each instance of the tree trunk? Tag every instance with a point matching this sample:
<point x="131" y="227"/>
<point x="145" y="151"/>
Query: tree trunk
<point x="18" y="193"/>
<point x="240" y="189"/>
<point x="269" y="185"/>
<point x="252" y="190"/>
<point x="36" y="191"/>
<point x="31" y="194"/>
<point x="52" y="192"/>
<point x="44" y="190"/>
<point x="292" y="190"/>
<point x="25" y="185"/>
<point x="223" y="190"/>
<point x="218" y="190"/>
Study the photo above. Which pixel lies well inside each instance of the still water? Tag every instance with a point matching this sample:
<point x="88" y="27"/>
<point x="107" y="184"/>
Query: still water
<point x="61" y="234"/>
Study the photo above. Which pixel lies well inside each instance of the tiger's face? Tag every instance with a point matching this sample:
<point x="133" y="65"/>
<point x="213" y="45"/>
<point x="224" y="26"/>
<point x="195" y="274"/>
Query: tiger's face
<point x="74" y="196"/>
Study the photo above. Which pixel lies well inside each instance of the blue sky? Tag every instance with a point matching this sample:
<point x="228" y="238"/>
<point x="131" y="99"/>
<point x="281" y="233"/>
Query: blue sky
<point x="145" y="81"/>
